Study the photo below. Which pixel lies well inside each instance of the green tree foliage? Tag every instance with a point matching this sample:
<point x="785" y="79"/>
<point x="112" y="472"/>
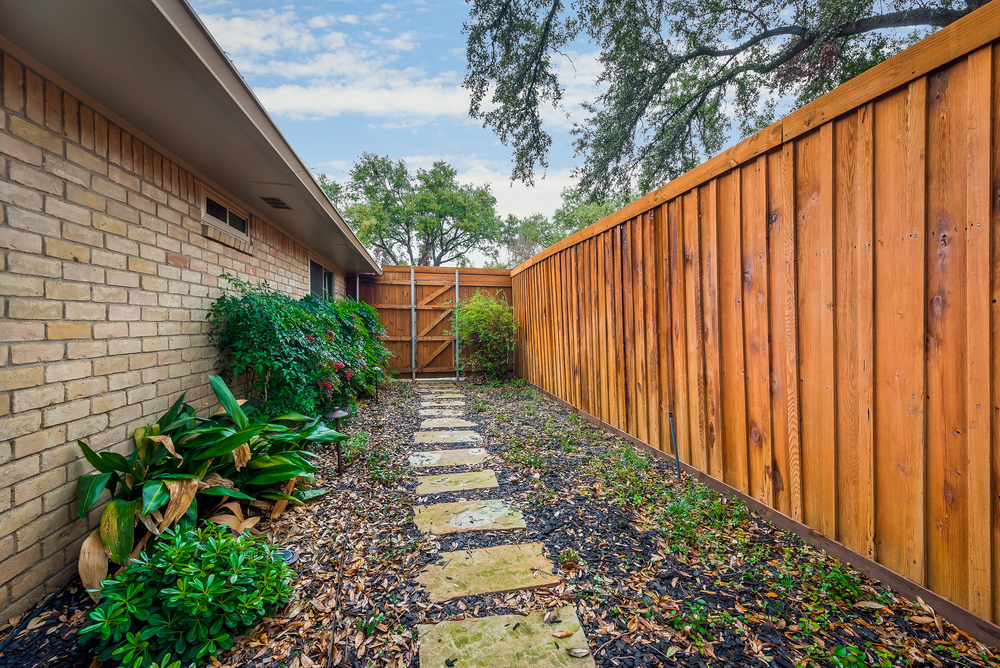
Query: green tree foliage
<point x="416" y="218"/>
<point x="487" y="332"/>
<point x="523" y="237"/>
<point x="190" y="595"/>
<point x="676" y="73"/>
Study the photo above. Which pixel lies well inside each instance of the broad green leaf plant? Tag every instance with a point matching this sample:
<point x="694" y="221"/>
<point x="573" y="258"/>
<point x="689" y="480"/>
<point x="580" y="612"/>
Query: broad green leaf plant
<point x="228" y="454"/>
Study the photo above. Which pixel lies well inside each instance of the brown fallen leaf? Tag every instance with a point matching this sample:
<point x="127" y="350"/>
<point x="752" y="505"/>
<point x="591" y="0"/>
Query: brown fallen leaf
<point x="872" y="605"/>
<point x="922" y="620"/>
<point x="577" y="653"/>
<point x="562" y="634"/>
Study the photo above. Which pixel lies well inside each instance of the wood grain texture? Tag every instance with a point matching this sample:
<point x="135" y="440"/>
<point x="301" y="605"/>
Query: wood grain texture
<point x="735" y="466"/>
<point x="947" y="301"/>
<point x="979" y="351"/>
<point x="899" y="215"/>
<point x="821" y="314"/>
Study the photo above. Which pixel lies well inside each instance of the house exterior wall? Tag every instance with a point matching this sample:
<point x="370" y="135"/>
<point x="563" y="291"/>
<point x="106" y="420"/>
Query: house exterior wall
<point x="106" y="276"/>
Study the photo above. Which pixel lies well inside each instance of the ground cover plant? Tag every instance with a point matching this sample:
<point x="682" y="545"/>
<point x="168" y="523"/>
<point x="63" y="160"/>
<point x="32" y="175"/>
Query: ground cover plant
<point x="304" y="355"/>
<point x="187" y="597"/>
<point x="487" y="333"/>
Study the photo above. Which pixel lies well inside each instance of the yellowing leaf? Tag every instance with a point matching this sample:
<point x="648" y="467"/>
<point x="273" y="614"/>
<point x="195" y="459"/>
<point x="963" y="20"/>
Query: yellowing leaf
<point x="181" y="495"/>
<point x="93" y="564"/>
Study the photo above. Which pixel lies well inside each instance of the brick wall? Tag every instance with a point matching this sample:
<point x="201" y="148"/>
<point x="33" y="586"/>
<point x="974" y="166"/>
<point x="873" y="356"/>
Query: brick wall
<point x="106" y="276"/>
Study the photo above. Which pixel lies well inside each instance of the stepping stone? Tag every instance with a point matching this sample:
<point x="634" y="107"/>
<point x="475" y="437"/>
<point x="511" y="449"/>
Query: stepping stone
<point x="445" y="395"/>
<point x="491" y="570"/>
<point x="441" y="519"/>
<point x="435" y="404"/>
<point x="448" y="457"/>
<point x="445" y="423"/>
<point x="447" y="437"/>
<point x="496" y="643"/>
<point x="455" y="482"/>
<point x="440" y="412"/>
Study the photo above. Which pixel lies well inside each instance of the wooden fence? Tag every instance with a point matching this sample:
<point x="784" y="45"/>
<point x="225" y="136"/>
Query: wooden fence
<point x="414" y="305"/>
<point x="818" y="306"/>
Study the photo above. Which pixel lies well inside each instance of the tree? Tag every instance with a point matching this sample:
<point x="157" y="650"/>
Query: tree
<point x="523" y="237"/>
<point x="578" y="211"/>
<point x="676" y="73"/>
<point x="422" y="218"/>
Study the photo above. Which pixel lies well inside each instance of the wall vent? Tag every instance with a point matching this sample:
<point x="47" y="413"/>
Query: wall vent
<point x="276" y="203"/>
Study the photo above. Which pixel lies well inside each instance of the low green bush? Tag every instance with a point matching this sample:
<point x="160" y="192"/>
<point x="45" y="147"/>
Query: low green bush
<point x="233" y="453"/>
<point x="487" y="332"/>
<point x="305" y="355"/>
<point x="187" y="597"/>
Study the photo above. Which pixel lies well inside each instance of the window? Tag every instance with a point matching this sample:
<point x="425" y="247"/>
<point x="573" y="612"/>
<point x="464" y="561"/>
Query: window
<point x="224" y="215"/>
<point x="322" y="282"/>
<point x="316" y="278"/>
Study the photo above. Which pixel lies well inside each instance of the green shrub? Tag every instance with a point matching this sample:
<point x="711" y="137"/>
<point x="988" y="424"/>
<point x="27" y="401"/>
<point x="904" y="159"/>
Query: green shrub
<point x="305" y="355"/>
<point x="487" y="332"/>
<point x="187" y="597"/>
<point x="229" y="454"/>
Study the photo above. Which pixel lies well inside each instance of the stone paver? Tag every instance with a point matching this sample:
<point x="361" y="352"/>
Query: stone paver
<point x="455" y="482"/>
<point x="442" y="519"/>
<point x="445" y="423"/>
<point x="444" y="395"/>
<point x="432" y="404"/>
<point x="440" y="412"/>
<point x="490" y="570"/>
<point x="447" y="437"/>
<point x="505" y="641"/>
<point x="448" y="457"/>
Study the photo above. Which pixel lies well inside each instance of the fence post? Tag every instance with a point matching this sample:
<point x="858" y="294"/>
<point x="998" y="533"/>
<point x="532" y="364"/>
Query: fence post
<point x="413" y="327"/>
<point x="455" y="311"/>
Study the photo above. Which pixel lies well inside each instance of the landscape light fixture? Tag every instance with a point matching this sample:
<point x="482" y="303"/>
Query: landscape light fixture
<point x="335" y="415"/>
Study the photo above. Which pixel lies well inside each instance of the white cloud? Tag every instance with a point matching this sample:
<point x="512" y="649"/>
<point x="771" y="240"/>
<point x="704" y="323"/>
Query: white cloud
<point x="260" y="32"/>
<point x="402" y="42"/>
<point x="399" y="97"/>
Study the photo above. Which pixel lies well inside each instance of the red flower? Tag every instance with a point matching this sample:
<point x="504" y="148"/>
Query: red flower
<point x="311" y="339"/>
<point x="338" y="366"/>
<point x="329" y="335"/>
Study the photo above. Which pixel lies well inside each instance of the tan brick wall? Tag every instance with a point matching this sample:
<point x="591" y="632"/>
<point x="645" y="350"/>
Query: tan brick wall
<point x="105" y="281"/>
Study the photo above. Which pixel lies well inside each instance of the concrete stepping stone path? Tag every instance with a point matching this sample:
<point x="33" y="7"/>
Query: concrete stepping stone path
<point x="445" y="423"/>
<point x="440" y="412"/>
<point x="455" y="482"/>
<point x="505" y="641"/>
<point x="490" y="570"/>
<point x="442" y="519"/>
<point x="448" y="457"/>
<point x="447" y="437"/>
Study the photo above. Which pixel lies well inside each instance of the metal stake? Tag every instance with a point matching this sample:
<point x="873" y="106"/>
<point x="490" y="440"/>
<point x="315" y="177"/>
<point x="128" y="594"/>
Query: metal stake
<point x="413" y="327"/>
<point x="673" y="437"/>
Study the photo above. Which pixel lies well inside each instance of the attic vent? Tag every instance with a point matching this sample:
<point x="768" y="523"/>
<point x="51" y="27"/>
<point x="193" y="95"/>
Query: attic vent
<point x="276" y="203"/>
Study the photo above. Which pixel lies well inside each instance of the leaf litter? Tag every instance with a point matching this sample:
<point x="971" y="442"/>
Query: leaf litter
<point x="660" y="573"/>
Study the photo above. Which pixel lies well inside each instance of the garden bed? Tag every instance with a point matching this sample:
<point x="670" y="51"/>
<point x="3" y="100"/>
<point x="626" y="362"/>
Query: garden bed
<point x="660" y="573"/>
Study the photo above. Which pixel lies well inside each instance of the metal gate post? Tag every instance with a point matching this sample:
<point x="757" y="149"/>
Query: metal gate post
<point x="455" y="310"/>
<point x="413" y="327"/>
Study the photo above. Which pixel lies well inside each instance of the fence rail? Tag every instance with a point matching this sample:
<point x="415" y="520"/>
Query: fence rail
<point x="818" y="306"/>
<point x="414" y="305"/>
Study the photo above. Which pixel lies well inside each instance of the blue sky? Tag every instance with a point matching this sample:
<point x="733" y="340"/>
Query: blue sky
<point x="345" y="76"/>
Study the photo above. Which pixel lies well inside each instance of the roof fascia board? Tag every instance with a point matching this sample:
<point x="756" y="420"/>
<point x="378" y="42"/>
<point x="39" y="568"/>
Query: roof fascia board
<point x="189" y="26"/>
